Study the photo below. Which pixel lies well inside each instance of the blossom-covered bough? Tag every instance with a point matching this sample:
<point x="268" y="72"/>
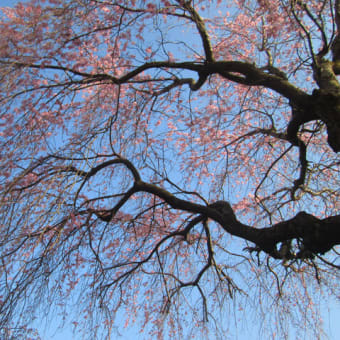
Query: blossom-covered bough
<point x="164" y="157"/>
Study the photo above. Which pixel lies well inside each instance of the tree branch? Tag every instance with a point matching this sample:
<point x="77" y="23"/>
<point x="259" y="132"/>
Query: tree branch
<point x="196" y="18"/>
<point x="317" y="235"/>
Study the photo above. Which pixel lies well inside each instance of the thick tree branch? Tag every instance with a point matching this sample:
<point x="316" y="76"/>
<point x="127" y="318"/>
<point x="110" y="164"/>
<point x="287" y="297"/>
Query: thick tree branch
<point x="336" y="42"/>
<point x="316" y="235"/>
<point x="248" y="74"/>
<point x="240" y="72"/>
<point x="196" y="18"/>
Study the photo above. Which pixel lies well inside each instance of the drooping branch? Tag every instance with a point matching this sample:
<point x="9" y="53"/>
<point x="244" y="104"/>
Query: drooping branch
<point x="238" y="71"/>
<point x="317" y="235"/>
<point x="199" y="22"/>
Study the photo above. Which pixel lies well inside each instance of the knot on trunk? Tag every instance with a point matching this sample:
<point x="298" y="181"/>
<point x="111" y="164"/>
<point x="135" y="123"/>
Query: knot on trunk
<point x="225" y="209"/>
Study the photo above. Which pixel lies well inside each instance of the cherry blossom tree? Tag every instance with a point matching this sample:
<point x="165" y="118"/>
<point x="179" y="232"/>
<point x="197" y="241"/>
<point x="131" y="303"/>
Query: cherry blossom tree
<point x="171" y="162"/>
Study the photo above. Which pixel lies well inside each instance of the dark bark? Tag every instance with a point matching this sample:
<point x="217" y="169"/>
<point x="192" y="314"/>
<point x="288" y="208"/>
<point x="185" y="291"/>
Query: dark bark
<point x="315" y="236"/>
<point x="312" y="235"/>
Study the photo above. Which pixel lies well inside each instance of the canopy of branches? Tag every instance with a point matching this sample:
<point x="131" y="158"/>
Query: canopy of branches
<point x="168" y="161"/>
